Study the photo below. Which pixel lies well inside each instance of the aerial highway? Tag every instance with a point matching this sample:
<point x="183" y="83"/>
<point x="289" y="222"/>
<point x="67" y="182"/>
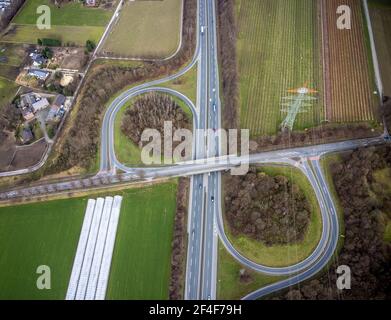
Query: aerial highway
<point x="205" y="220"/>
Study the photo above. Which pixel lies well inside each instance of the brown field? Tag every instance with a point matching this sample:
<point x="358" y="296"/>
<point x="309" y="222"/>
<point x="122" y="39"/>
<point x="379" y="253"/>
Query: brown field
<point x="349" y="81"/>
<point x="381" y="24"/>
<point x="28" y="156"/>
<point x="146" y="29"/>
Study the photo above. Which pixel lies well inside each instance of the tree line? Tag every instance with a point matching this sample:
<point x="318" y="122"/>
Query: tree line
<point x="228" y="62"/>
<point x="178" y="256"/>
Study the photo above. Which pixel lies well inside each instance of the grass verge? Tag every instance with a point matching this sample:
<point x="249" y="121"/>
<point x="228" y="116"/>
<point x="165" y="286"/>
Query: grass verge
<point x="229" y="285"/>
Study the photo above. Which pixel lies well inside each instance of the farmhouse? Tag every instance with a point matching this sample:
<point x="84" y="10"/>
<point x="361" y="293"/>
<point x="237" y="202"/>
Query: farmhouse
<point x="38" y="59"/>
<point x="27" y="100"/>
<point x="40" y="104"/>
<point x="40" y="74"/>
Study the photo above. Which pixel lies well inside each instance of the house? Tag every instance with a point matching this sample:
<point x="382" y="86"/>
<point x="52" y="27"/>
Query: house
<point x="38" y="59"/>
<point x="27" y="114"/>
<point x="27" y="100"/>
<point x="59" y="101"/>
<point x="40" y="74"/>
<point x="40" y="104"/>
<point x="26" y="135"/>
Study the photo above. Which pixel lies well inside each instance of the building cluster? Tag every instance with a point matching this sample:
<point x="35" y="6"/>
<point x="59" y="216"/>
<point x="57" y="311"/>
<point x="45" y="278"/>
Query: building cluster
<point x="31" y="103"/>
<point x="38" y="60"/>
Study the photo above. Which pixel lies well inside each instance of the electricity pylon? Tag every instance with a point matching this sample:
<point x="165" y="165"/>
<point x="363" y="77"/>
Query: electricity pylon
<point x="298" y="103"/>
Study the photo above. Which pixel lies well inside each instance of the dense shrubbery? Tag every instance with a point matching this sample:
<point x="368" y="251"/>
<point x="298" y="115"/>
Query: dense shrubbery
<point x="228" y="63"/>
<point x="9" y="120"/>
<point x="150" y="112"/>
<point x="90" y="45"/>
<point x="49" y="42"/>
<point x="178" y="256"/>
<point x="318" y="135"/>
<point x="265" y="208"/>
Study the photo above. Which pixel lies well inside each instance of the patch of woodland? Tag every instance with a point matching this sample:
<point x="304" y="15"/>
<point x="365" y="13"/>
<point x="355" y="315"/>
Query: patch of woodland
<point x="270" y="209"/>
<point x="150" y="112"/>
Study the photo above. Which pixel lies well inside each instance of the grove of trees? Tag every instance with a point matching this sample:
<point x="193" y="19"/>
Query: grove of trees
<point x="150" y="112"/>
<point x="269" y="209"/>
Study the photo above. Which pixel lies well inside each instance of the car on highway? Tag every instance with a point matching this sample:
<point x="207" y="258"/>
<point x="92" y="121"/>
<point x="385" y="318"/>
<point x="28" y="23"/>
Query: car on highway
<point x="213" y="199"/>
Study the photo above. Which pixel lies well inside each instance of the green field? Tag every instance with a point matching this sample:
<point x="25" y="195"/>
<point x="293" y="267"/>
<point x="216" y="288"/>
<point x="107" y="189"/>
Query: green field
<point x="284" y="255"/>
<point x="141" y="261"/>
<point x="7" y="91"/>
<point x="72" y="14"/>
<point x="278" y="49"/>
<point x="69" y="35"/>
<point x="14" y="53"/>
<point x="229" y="285"/>
<point x="38" y="234"/>
<point x="126" y="151"/>
<point x="72" y="23"/>
<point x="47" y="233"/>
<point x="381" y="25"/>
<point x="146" y="29"/>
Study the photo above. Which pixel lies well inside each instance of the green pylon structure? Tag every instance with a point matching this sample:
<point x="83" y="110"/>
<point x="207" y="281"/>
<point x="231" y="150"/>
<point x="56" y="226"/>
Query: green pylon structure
<point x="295" y="104"/>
